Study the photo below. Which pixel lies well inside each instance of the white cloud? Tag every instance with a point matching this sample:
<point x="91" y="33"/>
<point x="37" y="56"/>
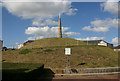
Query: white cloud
<point x="70" y="11"/>
<point x="0" y="4"/>
<point x="91" y="38"/>
<point x="44" y="32"/>
<point x="111" y="6"/>
<point x="35" y="38"/>
<point x="69" y="34"/>
<point x="95" y="29"/>
<point x="101" y="25"/>
<point x="33" y="0"/>
<point x="41" y="22"/>
<point x="116" y="40"/>
<point x="53" y="0"/>
<point x="105" y="23"/>
<point x="40" y="12"/>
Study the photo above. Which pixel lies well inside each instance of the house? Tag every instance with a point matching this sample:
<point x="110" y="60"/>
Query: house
<point x="20" y="46"/>
<point x="117" y="48"/>
<point x="99" y="42"/>
<point x="25" y="43"/>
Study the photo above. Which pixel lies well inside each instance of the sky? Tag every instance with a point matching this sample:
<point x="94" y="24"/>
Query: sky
<point x="23" y="21"/>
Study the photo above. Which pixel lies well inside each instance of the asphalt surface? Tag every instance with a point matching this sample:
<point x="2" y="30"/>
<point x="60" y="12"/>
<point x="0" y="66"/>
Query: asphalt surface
<point x="83" y="78"/>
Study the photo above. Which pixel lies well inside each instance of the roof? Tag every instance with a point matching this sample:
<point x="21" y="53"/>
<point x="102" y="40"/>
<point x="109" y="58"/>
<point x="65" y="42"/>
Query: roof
<point x="117" y="47"/>
<point x="28" y="41"/>
<point x="96" y="41"/>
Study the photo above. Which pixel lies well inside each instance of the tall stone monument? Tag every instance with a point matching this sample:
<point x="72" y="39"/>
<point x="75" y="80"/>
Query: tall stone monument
<point x="59" y="28"/>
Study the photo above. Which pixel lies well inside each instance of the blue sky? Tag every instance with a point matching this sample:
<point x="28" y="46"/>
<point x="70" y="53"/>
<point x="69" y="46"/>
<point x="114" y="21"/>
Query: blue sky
<point x="77" y="18"/>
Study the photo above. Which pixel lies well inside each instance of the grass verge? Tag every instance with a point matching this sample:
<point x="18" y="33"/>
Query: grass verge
<point x="21" y="71"/>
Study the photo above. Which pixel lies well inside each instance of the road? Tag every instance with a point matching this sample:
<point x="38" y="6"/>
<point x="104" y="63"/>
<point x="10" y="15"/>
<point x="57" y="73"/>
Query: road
<point x="85" y="78"/>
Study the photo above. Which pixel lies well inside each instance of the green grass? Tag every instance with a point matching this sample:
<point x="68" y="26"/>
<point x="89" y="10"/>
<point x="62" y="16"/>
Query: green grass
<point x="53" y="55"/>
<point x="53" y="42"/>
<point x="94" y="63"/>
<point x="21" y="65"/>
<point x="48" y="50"/>
<point x="21" y="71"/>
<point x="24" y="51"/>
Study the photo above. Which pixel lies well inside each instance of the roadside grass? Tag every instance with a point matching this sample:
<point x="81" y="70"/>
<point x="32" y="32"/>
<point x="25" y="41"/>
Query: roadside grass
<point x="21" y="71"/>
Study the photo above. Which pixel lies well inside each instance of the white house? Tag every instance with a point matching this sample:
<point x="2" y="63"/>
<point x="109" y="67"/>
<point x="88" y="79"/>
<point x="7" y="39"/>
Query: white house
<point x="117" y="48"/>
<point x="25" y="43"/>
<point x="98" y="42"/>
<point x="20" y="46"/>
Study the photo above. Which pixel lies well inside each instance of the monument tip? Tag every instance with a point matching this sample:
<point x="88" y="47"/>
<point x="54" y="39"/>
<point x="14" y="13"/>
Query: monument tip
<point x="59" y="15"/>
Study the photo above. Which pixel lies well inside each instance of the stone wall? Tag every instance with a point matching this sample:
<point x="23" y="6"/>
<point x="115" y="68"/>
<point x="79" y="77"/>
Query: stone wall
<point x="99" y="70"/>
<point x="86" y="70"/>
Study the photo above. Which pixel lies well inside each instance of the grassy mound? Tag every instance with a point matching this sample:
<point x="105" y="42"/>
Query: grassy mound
<point x="53" y="55"/>
<point x="54" y="42"/>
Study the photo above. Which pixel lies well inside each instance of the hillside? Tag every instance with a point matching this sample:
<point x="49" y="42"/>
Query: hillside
<point x="54" y="42"/>
<point x="51" y="54"/>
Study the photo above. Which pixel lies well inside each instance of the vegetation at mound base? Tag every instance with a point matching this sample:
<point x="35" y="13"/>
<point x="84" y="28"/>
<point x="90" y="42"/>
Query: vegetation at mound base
<point x="83" y="55"/>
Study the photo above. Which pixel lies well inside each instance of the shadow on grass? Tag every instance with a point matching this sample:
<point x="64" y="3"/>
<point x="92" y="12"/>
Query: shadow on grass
<point x="21" y="75"/>
<point x="47" y="75"/>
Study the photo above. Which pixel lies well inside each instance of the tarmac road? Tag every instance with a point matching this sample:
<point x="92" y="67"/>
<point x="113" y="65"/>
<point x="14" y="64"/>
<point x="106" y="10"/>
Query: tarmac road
<point x="85" y="78"/>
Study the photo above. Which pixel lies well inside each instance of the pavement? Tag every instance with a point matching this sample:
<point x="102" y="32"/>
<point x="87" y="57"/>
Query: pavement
<point x="82" y="77"/>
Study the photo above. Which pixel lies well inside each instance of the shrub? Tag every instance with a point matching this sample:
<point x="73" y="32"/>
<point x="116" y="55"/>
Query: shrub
<point x="24" y="51"/>
<point x="94" y="63"/>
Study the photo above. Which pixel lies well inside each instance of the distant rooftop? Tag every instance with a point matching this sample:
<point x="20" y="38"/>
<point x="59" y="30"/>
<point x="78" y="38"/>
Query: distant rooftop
<point x="117" y="47"/>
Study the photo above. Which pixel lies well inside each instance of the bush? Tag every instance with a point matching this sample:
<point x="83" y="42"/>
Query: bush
<point x="24" y="51"/>
<point x="94" y="63"/>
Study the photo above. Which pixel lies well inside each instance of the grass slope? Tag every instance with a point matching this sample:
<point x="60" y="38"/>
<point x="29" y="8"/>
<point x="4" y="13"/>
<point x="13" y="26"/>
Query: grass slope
<point x="52" y="55"/>
<point x="54" y="42"/>
<point x="21" y="71"/>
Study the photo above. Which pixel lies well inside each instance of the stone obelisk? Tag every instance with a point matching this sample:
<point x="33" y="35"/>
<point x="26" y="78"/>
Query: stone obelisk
<point x="59" y="28"/>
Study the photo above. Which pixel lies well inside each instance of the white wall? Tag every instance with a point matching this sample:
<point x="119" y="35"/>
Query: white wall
<point x="102" y="43"/>
<point x="20" y="46"/>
